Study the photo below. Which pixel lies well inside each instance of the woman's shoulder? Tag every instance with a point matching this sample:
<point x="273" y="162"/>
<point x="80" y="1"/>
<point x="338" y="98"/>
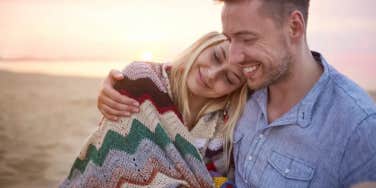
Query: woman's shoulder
<point x="141" y="69"/>
<point x="147" y="83"/>
<point x="144" y="74"/>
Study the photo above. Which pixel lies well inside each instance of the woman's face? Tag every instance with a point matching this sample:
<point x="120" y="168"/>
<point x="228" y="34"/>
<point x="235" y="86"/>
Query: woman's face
<point x="211" y="76"/>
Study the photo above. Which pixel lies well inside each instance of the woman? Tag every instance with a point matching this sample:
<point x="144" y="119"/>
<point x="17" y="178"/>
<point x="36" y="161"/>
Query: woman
<point x="188" y="110"/>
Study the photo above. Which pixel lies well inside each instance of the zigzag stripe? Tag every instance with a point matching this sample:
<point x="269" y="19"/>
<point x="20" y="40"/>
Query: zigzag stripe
<point x="160" y="179"/>
<point x="137" y="70"/>
<point x="145" y="89"/>
<point x="199" y="170"/>
<point x="129" y="144"/>
<point x="140" y="168"/>
<point x="150" y="118"/>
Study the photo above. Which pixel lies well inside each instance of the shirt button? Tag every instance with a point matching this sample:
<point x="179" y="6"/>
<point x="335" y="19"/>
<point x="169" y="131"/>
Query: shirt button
<point x="287" y="171"/>
<point x="250" y="158"/>
<point x="261" y="136"/>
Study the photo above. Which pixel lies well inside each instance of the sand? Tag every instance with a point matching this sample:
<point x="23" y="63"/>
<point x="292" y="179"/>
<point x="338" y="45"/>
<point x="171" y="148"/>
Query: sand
<point x="44" y="120"/>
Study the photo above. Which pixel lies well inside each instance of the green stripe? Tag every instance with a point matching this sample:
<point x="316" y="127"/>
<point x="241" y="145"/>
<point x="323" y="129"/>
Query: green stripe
<point x="130" y="143"/>
<point x="185" y="147"/>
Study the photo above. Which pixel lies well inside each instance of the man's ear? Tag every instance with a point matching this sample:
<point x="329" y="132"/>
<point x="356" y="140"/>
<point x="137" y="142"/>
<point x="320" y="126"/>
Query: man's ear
<point x="296" y="25"/>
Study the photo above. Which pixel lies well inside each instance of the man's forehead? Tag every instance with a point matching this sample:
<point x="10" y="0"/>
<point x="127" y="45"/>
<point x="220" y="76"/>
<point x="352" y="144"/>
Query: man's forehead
<point x="239" y="19"/>
<point x="243" y="3"/>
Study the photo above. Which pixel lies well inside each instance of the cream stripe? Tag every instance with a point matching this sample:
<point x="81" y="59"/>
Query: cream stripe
<point x="137" y="70"/>
<point x="149" y="117"/>
<point x="160" y="181"/>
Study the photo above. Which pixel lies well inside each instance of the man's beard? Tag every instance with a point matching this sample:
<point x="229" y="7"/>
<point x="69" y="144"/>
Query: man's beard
<point x="277" y="74"/>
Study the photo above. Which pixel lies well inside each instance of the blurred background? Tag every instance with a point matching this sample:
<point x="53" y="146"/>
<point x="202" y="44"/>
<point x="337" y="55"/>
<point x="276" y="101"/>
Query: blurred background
<point x="54" y="54"/>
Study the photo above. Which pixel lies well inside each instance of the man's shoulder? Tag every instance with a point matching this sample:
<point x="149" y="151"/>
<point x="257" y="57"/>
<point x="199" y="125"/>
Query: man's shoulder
<point x="349" y="94"/>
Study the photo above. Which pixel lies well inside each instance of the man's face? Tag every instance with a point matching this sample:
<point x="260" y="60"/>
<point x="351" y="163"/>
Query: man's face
<point x="258" y="44"/>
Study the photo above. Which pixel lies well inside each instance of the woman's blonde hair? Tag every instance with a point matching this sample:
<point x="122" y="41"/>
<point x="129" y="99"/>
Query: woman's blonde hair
<point x="179" y="73"/>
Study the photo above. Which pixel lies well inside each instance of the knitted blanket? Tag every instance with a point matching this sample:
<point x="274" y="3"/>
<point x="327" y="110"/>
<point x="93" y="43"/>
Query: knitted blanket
<point x="152" y="148"/>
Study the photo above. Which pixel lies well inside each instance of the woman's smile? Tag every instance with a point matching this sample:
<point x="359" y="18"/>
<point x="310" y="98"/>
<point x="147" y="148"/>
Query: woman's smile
<point x="201" y="80"/>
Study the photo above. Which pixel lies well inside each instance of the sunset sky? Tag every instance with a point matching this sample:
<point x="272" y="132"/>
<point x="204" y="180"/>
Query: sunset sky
<point x="343" y="30"/>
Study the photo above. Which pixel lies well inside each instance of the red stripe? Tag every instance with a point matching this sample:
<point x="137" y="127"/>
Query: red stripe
<point x="211" y="166"/>
<point x="161" y="109"/>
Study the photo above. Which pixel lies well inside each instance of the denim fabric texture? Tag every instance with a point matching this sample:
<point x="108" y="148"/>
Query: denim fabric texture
<point x="328" y="139"/>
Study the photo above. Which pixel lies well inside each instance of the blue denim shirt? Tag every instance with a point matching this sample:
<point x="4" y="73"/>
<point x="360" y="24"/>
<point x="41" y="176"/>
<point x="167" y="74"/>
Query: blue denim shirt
<point x="328" y="139"/>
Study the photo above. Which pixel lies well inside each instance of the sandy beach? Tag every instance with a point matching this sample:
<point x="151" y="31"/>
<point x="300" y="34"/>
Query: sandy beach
<point x="44" y="120"/>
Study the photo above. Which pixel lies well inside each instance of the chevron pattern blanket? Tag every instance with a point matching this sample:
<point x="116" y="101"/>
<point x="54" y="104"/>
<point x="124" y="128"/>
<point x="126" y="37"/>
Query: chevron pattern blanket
<point x="152" y="148"/>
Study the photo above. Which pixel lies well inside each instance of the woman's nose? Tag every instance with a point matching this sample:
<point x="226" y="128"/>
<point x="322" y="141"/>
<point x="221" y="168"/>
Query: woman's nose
<point x="213" y="73"/>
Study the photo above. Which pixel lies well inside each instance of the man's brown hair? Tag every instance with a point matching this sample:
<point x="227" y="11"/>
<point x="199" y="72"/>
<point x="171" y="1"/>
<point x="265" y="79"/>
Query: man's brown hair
<point x="280" y="9"/>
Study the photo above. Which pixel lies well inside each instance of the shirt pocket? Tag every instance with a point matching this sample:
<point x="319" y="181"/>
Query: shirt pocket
<point x="286" y="171"/>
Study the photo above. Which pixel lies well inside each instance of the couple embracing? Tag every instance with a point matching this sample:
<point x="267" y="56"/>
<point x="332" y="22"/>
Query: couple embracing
<point x="252" y="107"/>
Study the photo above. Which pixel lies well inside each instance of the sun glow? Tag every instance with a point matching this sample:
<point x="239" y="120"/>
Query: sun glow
<point x="159" y="30"/>
<point x="147" y="56"/>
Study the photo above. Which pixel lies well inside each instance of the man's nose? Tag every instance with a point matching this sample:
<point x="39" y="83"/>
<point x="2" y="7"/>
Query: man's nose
<point x="236" y="55"/>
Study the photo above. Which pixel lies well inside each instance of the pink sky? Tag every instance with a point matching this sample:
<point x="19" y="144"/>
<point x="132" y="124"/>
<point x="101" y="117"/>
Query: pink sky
<point x="343" y="30"/>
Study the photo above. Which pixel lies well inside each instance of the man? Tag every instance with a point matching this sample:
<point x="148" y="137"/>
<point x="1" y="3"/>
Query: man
<point x="306" y="125"/>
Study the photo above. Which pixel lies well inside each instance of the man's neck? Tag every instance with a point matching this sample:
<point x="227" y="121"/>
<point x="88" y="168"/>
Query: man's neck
<point x="283" y="95"/>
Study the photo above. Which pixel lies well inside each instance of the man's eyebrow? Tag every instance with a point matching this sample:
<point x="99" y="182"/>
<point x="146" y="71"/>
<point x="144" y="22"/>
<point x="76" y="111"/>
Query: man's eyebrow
<point x="239" y="33"/>
<point x="245" y="33"/>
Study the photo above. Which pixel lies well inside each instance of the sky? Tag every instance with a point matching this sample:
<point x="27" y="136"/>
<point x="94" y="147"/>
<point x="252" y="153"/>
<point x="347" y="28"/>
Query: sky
<point x="342" y="30"/>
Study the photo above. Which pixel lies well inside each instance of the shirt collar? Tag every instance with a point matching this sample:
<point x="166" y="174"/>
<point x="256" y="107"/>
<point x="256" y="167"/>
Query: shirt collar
<point x="301" y="113"/>
<point x="306" y="105"/>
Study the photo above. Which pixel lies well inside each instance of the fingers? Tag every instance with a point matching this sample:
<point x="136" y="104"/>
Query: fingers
<point x="113" y="114"/>
<point x="109" y="117"/>
<point x="113" y="110"/>
<point x="116" y="106"/>
<point x="113" y="94"/>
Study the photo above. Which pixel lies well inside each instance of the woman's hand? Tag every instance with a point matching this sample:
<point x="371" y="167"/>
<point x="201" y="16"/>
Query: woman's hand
<point x="111" y="103"/>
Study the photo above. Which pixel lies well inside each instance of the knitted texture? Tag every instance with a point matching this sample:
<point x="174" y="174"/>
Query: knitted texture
<point x="151" y="148"/>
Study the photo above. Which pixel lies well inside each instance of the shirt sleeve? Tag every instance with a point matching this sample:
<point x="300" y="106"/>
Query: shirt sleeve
<point x="359" y="159"/>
